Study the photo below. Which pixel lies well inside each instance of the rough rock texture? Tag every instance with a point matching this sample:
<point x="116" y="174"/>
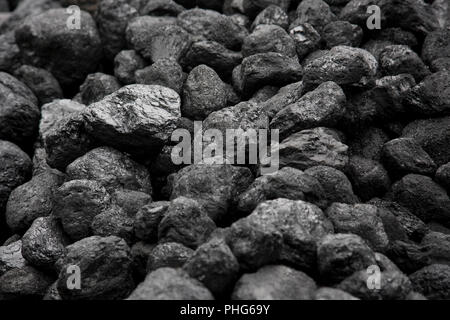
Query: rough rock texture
<point x="113" y="169"/>
<point x="66" y="140"/>
<point x="97" y="86"/>
<point x="340" y="255"/>
<point x="279" y="230"/>
<point x="443" y="176"/>
<point x="9" y="52"/>
<point x="333" y="294"/>
<point x="160" y="7"/>
<point x="315" y="12"/>
<point x="19" y="114"/>
<point x="312" y="147"/>
<point x="119" y="122"/>
<point x="77" y="202"/>
<point x="369" y="177"/>
<point x="286" y="96"/>
<point x="105" y="269"/>
<point x="32" y="200"/>
<point x="41" y="82"/>
<point x="343" y="65"/>
<point x="170" y="284"/>
<point x="423" y="197"/>
<point x="139" y="254"/>
<point x="369" y="143"/>
<point x="335" y="183"/>
<point x="272" y="14"/>
<point x="25" y="9"/>
<point x="411" y="224"/>
<point x="44" y="243"/>
<point x="403" y="156"/>
<point x="203" y="93"/>
<point x="214" y="55"/>
<point x="168" y="255"/>
<point x="86" y="5"/>
<point x="432" y="135"/>
<point x="437" y="246"/>
<point x="157" y="40"/>
<point x="126" y="63"/>
<point x="433" y="282"/>
<point x="164" y="72"/>
<point x="15" y="169"/>
<point x="306" y="38"/>
<point x="244" y="116"/>
<point x="212" y="26"/>
<point x="384" y="102"/>
<point x="322" y="107"/>
<point x="215" y="266"/>
<point x="24" y="283"/>
<point x="11" y="257"/>
<point x="342" y="33"/>
<point x="359" y="219"/>
<point x="185" y="222"/>
<point x="416" y="16"/>
<point x="52" y="293"/>
<point x="275" y="282"/>
<point x="147" y="220"/>
<point x="112" y="19"/>
<point x="114" y="221"/>
<point x="436" y="46"/>
<point x="268" y="38"/>
<point x="55" y="111"/>
<point x="397" y="59"/>
<point x="394" y="285"/>
<point x="130" y="201"/>
<point x="45" y="41"/>
<point x="253" y="7"/>
<point x="408" y="256"/>
<point x="288" y="183"/>
<point x="265" y="69"/>
<point x="214" y="187"/>
<point x="431" y="97"/>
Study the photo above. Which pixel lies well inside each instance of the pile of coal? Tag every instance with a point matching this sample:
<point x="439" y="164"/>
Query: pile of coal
<point x="93" y="205"/>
